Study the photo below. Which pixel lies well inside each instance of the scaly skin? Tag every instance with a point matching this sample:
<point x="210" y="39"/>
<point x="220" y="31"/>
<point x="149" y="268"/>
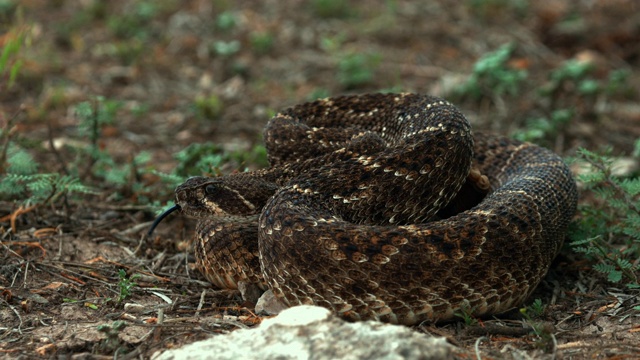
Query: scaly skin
<point x="362" y="212"/>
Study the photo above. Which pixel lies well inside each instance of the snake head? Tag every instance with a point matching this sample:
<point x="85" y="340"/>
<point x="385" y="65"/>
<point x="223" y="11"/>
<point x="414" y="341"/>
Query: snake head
<point x="224" y="196"/>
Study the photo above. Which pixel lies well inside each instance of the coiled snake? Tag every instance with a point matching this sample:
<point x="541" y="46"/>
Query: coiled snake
<point x="383" y="206"/>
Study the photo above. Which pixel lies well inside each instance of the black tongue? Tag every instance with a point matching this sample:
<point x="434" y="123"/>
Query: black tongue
<point x="162" y="216"/>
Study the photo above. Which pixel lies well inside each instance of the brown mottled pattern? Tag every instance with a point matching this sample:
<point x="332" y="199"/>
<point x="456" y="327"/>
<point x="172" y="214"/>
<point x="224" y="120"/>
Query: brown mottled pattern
<point x="351" y="215"/>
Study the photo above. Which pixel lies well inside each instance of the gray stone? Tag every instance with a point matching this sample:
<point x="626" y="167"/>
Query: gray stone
<point x="269" y="304"/>
<point x="311" y="332"/>
<point x="250" y="292"/>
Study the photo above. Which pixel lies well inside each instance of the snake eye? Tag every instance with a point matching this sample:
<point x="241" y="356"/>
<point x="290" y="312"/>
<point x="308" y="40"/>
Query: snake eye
<point x="210" y="189"/>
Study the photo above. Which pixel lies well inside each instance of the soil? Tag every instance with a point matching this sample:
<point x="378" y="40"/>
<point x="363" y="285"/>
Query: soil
<point x="60" y="263"/>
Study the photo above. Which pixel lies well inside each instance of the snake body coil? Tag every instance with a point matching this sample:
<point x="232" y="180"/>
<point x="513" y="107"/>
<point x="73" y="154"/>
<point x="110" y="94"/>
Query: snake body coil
<point x="383" y="206"/>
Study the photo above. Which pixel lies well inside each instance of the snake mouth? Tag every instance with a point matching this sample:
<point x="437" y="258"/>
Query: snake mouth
<point x="161" y="217"/>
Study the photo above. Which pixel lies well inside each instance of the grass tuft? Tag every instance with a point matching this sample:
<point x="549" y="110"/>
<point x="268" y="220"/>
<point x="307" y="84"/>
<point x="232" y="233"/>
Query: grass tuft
<point x="608" y="230"/>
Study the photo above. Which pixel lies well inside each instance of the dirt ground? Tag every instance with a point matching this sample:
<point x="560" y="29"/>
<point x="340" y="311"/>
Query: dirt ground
<point x="204" y="70"/>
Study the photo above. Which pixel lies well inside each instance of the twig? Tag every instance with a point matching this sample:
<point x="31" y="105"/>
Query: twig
<point x="201" y="303"/>
<point x="476" y="347"/>
<point x="13" y="216"/>
<point x="26" y="271"/>
<point x="17" y="315"/>
<point x="26" y="243"/>
<point x="135" y="228"/>
<point x="555" y="346"/>
<point x="79" y="275"/>
<point x="489" y="329"/>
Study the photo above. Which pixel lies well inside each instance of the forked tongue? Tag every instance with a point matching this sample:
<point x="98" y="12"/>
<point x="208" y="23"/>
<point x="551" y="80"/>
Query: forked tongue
<point x="161" y="217"/>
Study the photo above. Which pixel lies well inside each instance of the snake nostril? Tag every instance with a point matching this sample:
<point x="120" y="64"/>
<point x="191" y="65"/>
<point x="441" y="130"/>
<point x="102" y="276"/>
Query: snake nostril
<point x="181" y="197"/>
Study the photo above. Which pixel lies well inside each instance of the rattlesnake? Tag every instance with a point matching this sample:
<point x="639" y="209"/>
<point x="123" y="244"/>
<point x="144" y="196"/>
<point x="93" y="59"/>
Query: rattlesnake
<point x="383" y="206"/>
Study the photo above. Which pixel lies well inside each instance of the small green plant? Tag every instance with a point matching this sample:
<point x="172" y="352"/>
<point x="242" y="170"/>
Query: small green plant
<point x="530" y="314"/>
<point x="571" y="70"/>
<point x="94" y="161"/>
<point x="129" y="51"/>
<point x="318" y="93"/>
<point x="490" y="8"/>
<point x="261" y="42"/>
<point x="199" y="159"/>
<point x="96" y="114"/>
<point x="574" y="79"/>
<point x="570" y="93"/>
<point x="139" y="110"/>
<point x="332" y="8"/>
<point x="492" y="76"/>
<point x="256" y="155"/>
<point x="134" y="21"/>
<point x="64" y="30"/>
<point x="541" y="128"/>
<point x="125" y="284"/>
<point x="93" y="117"/>
<point x="208" y="107"/>
<point x="226" y="20"/>
<point x="609" y="235"/>
<point x="7" y="9"/>
<point x="466" y="314"/>
<point x="112" y="343"/>
<point x="332" y="44"/>
<point x="10" y="61"/>
<point x="40" y="189"/>
<point x="225" y="48"/>
<point x="357" y="69"/>
<point x="535" y="310"/>
<point x="20" y="180"/>
<point x="571" y="75"/>
<point x="206" y="159"/>
<point x="617" y="82"/>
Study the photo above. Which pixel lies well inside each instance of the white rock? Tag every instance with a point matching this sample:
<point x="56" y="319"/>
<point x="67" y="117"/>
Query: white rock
<point x="311" y="332"/>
